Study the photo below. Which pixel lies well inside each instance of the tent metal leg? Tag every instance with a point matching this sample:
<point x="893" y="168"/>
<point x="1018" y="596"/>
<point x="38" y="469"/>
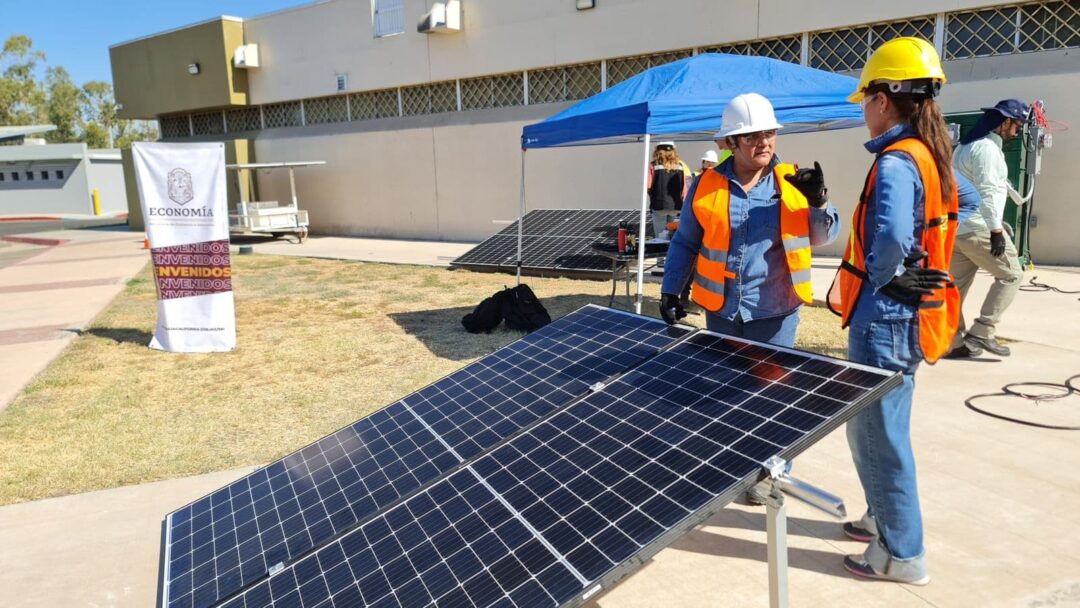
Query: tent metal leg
<point x="521" y="216"/>
<point x="638" y="301"/>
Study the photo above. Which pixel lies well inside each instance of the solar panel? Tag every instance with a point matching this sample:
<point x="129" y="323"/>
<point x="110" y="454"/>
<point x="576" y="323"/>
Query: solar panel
<point x="223" y="542"/>
<point x="553" y="240"/>
<point x="582" y="497"/>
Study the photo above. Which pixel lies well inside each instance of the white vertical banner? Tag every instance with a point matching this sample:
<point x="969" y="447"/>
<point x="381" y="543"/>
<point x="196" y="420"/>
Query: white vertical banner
<point x="182" y="191"/>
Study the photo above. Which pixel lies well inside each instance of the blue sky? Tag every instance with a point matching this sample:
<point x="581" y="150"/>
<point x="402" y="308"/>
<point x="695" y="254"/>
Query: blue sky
<point x="77" y="34"/>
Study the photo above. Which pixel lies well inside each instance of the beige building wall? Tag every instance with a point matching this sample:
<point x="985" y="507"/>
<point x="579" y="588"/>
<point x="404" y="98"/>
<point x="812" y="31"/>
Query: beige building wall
<point x="302" y="49"/>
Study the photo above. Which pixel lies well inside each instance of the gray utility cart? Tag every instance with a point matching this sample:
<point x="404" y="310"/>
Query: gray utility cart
<point x="269" y="217"/>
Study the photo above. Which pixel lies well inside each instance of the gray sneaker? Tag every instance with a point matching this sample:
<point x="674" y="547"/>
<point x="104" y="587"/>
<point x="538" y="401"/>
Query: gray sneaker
<point x="856" y="565"/>
<point x="990" y="344"/>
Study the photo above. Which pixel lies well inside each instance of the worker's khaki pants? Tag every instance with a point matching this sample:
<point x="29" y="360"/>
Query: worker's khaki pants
<point x="972" y="252"/>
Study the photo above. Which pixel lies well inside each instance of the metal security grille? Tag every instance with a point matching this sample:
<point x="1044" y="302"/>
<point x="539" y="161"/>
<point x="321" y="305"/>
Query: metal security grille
<point x="389" y="17"/>
<point x="374" y="104"/>
<point x="623" y="68"/>
<point x="847" y="49"/>
<point x="493" y="92"/>
<point x="326" y="109"/>
<point x="883" y="32"/>
<point x="207" y="123"/>
<point x="1053" y="25"/>
<point x="981" y="33"/>
<point x="785" y="49"/>
<point x="174" y="126"/>
<point x="243" y="119"/>
<point x="842" y="50"/>
<point x="282" y="114"/>
<point x="429" y="98"/>
<point x="564" y="84"/>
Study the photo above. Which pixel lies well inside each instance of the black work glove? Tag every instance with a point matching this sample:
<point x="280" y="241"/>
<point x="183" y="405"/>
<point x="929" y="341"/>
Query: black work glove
<point x="997" y="244"/>
<point x="915" y="282"/>
<point x="671" y="309"/>
<point x="811" y="183"/>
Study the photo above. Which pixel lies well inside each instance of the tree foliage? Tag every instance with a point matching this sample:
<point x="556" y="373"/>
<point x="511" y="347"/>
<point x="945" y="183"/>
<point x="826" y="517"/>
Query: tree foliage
<point x="86" y="113"/>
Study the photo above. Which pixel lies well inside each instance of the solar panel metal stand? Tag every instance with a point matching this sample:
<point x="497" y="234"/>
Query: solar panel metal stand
<point x="776" y="522"/>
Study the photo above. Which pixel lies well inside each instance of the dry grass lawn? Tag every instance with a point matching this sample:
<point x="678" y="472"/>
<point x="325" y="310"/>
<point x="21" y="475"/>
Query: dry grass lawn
<point x="321" y="343"/>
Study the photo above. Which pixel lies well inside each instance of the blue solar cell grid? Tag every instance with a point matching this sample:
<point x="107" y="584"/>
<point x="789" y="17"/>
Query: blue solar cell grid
<point x="553" y="510"/>
<point x="225" y="541"/>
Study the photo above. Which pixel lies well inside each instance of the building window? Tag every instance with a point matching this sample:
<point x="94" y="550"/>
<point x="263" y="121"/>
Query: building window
<point x="388" y="17"/>
<point x="59" y="174"/>
<point x="2" y="176"/>
<point x="44" y="175"/>
<point x="29" y="176"/>
<point x="14" y="176"/>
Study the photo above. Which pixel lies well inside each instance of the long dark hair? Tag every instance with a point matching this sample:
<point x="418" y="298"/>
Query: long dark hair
<point x="924" y="115"/>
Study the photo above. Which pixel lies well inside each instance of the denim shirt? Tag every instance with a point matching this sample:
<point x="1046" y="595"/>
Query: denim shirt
<point x="762" y="287"/>
<point x="894" y="224"/>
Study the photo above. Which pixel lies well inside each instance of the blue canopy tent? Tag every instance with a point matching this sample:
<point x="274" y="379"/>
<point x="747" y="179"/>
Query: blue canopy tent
<point x="684" y="101"/>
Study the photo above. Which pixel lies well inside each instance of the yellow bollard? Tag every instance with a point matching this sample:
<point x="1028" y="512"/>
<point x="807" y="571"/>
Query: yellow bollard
<point x="97" y="201"/>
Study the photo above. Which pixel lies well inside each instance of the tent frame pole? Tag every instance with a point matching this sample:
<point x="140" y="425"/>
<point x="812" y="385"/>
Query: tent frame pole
<point x="638" y="300"/>
<point x="521" y="215"/>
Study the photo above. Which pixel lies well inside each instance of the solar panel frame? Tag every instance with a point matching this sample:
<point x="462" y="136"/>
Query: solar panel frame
<point x="552" y="240"/>
<point x="542" y="433"/>
<point x="647" y="335"/>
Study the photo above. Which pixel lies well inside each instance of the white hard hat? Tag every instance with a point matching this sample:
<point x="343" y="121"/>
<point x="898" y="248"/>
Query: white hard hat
<point x="665" y="144"/>
<point x="711" y="156"/>
<point x="747" y="113"/>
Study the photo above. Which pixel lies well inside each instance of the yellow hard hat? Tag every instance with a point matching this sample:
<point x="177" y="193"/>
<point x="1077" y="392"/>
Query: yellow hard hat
<point x="898" y="60"/>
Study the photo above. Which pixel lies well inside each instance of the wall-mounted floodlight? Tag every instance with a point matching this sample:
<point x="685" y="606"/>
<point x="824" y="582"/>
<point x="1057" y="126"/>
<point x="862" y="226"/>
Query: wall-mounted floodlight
<point x="583" y="5"/>
<point x="193" y="69"/>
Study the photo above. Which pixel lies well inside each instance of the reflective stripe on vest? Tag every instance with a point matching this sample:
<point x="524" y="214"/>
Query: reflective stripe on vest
<point x="711" y="207"/>
<point x="939" y="312"/>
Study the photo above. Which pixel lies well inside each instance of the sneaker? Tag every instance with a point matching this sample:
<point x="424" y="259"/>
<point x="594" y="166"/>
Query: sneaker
<point x="964" y="351"/>
<point x="990" y="344"/>
<point x="854" y="531"/>
<point x="857" y="566"/>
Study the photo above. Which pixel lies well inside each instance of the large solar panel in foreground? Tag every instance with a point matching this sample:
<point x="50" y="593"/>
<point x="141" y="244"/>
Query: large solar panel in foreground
<point x="553" y="240"/>
<point x="223" y="542"/>
<point x="583" y="496"/>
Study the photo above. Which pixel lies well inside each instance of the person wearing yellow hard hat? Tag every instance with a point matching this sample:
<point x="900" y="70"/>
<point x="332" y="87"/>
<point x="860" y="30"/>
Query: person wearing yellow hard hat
<point x="894" y="291"/>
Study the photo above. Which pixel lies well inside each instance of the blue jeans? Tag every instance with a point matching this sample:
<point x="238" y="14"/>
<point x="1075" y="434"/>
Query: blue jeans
<point x="880" y="441"/>
<point x="774" y="330"/>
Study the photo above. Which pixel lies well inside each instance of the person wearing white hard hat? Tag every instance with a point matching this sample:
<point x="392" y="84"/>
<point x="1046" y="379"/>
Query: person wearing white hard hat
<point x="744" y="241"/>
<point x="708" y="160"/>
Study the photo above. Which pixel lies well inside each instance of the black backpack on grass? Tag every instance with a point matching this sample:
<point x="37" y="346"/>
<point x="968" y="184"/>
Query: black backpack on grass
<point x="517" y="305"/>
<point x="522" y="311"/>
<point x="487" y="315"/>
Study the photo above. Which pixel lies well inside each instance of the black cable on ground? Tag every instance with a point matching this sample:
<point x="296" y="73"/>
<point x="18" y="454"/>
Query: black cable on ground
<point x="1032" y="285"/>
<point x="1014" y="390"/>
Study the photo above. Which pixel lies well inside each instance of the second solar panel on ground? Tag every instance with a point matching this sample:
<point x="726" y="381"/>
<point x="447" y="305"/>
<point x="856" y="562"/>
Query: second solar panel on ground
<point x="581" y="498"/>
<point x="553" y="240"/>
<point x="218" y="545"/>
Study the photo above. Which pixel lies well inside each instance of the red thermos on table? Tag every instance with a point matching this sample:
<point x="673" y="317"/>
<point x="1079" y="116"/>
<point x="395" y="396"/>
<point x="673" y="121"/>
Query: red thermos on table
<point x="622" y="237"/>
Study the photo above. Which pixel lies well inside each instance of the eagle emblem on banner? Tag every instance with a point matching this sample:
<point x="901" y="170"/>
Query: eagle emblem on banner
<point x="180" y="189"/>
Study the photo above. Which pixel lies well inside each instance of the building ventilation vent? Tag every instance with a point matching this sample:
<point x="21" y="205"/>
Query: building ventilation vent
<point x="445" y="16"/>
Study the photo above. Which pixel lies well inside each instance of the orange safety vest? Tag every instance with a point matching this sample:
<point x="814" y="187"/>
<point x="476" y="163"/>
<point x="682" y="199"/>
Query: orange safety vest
<point x="711" y="208"/>
<point x="939" y="313"/>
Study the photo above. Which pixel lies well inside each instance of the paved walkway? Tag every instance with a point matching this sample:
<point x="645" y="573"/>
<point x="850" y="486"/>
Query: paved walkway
<point x="52" y="284"/>
<point x="1001" y="501"/>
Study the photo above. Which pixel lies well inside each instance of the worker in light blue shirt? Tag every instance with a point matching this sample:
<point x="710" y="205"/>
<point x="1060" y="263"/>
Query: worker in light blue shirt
<point x="759" y="301"/>
<point x="983" y="241"/>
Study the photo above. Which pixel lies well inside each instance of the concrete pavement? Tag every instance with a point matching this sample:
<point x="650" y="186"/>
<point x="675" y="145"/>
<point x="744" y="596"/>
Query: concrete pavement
<point x="1001" y="501"/>
<point x="52" y="284"/>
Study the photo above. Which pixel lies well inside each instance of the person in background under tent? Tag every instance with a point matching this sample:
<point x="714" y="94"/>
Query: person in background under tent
<point x="708" y="161"/>
<point x="745" y="244"/>
<point x="983" y="241"/>
<point x="893" y="291"/>
<point x="669" y="179"/>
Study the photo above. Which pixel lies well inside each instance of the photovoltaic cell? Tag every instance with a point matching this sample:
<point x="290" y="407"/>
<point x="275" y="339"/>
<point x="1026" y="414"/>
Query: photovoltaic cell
<point x="614" y="476"/>
<point x="553" y="239"/>
<point x="223" y="542"/>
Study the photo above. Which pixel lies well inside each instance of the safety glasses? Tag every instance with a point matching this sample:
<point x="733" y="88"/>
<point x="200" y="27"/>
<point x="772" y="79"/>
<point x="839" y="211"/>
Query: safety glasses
<point x="758" y="136"/>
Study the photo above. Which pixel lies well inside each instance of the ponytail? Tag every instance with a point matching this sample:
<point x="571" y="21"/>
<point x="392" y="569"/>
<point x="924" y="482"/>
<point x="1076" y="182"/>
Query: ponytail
<point x="924" y="115"/>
